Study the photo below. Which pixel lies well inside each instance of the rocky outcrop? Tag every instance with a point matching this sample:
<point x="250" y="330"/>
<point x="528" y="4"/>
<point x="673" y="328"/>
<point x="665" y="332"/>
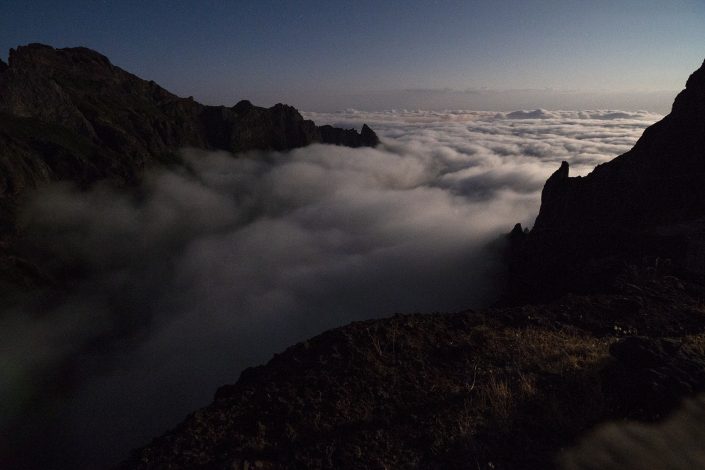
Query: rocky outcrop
<point x="658" y="182"/>
<point x="349" y="137"/>
<point x="645" y="208"/>
<point x="71" y="114"/>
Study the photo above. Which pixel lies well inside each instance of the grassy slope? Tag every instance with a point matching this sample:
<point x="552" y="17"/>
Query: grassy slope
<point x="504" y="388"/>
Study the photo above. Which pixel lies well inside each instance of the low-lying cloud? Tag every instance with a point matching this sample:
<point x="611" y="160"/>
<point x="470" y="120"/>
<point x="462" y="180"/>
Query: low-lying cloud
<point x="205" y="271"/>
<point x="675" y="443"/>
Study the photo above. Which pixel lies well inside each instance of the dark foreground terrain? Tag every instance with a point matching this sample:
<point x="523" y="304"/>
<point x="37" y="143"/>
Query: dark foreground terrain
<point x="503" y="388"/>
<point x="603" y="319"/>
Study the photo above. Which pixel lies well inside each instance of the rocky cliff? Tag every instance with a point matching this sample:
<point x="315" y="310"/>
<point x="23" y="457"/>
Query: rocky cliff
<point x="658" y="182"/>
<point x="515" y="385"/>
<point x="646" y="206"/>
<point x="69" y="114"/>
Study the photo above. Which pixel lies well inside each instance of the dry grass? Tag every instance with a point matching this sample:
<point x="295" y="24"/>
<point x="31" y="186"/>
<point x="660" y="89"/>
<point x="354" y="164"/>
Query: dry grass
<point x="499" y="397"/>
<point x="558" y="351"/>
<point x="512" y="364"/>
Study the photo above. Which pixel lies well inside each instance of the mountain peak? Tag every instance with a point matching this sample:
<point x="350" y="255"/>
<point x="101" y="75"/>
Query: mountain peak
<point x="622" y="211"/>
<point x="79" y="89"/>
<point x="697" y="78"/>
<point x="69" y="114"/>
<point x="689" y="105"/>
<point x="368" y="136"/>
<point x="659" y="181"/>
<point x="38" y="55"/>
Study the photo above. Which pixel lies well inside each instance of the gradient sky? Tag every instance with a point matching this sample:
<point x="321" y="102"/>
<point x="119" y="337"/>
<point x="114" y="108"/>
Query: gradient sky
<point x="325" y="55"/>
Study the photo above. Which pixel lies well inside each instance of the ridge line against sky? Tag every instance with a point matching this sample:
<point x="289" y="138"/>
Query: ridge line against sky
<point x="324" y="56"/>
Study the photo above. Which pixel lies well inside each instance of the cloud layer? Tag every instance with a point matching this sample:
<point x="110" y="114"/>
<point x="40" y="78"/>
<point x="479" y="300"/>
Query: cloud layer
<point x="204" y="272"/>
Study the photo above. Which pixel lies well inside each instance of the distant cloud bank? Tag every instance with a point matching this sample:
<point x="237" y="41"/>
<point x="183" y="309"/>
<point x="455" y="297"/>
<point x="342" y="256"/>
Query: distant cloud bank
<point x="478" y="99"/>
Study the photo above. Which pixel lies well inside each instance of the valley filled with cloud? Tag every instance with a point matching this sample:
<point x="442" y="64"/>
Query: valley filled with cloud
<point x="214" y="267"/>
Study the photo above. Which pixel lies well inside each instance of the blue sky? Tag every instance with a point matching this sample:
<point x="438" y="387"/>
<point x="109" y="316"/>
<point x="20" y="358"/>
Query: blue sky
<point x="337" y="54"/>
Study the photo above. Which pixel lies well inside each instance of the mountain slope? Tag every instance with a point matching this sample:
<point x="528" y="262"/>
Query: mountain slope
<point x="657" y="182"/>
<point x="646" y="206"/>
<point x="71" y="115"/>
<point x="503" y="388"/>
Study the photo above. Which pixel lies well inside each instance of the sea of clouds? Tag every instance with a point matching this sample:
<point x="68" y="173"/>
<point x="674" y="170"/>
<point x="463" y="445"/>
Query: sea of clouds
<point x="210" y="269"/>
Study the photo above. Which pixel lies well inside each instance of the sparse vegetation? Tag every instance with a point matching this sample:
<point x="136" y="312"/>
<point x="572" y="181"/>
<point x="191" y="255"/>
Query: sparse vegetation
<point x="507" y="387"/>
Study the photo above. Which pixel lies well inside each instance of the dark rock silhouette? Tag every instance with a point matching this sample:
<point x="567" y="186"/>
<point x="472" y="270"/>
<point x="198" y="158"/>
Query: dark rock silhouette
<point x="71" y="114"/>
<point x="645" y="207"/>
<point x="504" y="388"/>
<point x="368" y="136"/>
<point x="349" y="137"/>
<point x="657" y="182"/>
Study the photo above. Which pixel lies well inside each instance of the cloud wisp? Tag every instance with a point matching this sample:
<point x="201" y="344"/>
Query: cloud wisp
<point x="204" y="272"/>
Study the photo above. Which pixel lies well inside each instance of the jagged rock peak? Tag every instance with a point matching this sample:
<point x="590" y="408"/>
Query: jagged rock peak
<point x="518" y="233"/>
<point x="564" y="168"/>
<point x="657" y="182"/>
<point x="79" y="89"/>
<point x="561" y="172"/>
<point x="517" y="230"/>
<point x="691" y="101"/>
<point x="70" y="115"/>
<point x="243" y="106"/>
<point x="114" y="124"/>
<point x="647" y="202"/>
<point x="554" y="182"/>
<point x="349" y="137"/>
<point x="697" y="78"/>
<point x="369" y="137"/>
<point x="38" y="55"/>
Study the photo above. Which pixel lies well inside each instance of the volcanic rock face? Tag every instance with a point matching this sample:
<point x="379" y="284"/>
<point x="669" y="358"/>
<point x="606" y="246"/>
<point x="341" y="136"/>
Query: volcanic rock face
<point x="71" y="114"/>
<point x="657" y="182"/>
<point x="645" y="206"/>
<point x="349" y="137"/>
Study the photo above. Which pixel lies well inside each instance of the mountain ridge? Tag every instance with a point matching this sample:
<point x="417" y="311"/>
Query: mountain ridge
<point x="135" y="121"/>
<point x="669" y="149"/>
<point x="71" y="115"/>
<point x="644" y="206"/>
